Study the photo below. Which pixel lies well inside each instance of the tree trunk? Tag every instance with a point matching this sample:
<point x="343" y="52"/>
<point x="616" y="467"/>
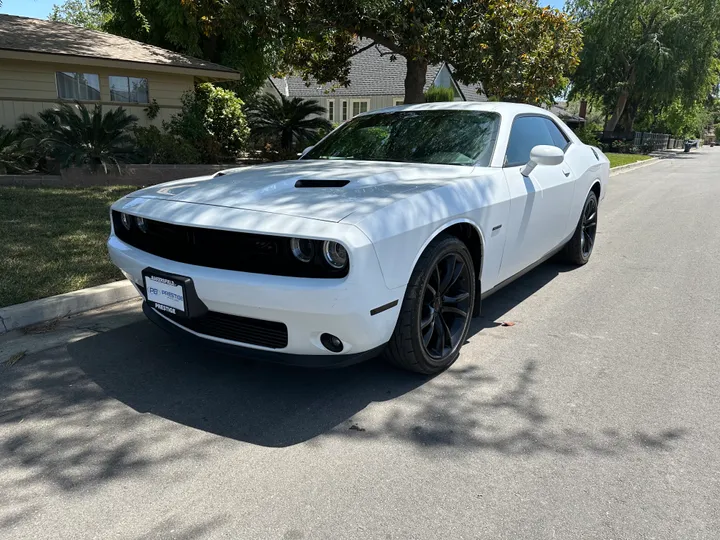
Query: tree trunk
<point x="622" y="100"/>
<point x="415" y="80"/>
<point x="583" y="109"/>
<point x="631" y="111"/>
<point x="619" y="109"/>
<point x="286" y="139"/>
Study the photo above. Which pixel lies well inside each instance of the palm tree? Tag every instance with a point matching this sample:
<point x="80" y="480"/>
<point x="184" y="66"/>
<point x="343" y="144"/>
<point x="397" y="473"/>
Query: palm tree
<point x="294" y="121"/>
<point x="15" y="155"/>
<point x="84" y="137"/>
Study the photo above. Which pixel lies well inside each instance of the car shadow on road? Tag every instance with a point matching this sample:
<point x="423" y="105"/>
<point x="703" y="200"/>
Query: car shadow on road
<point x="279" y="406"/>
<point x="497" y="305"/>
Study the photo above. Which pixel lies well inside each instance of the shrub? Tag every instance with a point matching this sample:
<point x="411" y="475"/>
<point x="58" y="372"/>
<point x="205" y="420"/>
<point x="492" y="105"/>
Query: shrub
<point x="15" y="155"/>
<point x="152" y="110"/>
<point x="646" y="148"/>
<point x="74" y="135"/>
<point x="156" y="146"/>
<point x="623" y="147"/>
<point x="439" y="93"/>
<point x="293" y="123"/>
<point x="212" y="120"/>
<point x="717" y="133"/>
<point x="587" y="135"/>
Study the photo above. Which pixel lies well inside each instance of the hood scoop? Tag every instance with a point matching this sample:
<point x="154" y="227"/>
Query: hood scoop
<point x="321" y="183"/>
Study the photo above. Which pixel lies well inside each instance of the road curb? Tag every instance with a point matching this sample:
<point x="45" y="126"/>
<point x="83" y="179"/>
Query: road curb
<point x="632" y="166"/>
<point x="62" y="305"/>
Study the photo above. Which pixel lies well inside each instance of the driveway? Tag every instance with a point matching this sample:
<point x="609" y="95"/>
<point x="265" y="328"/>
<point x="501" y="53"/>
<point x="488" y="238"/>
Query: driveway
<point x="594" y="416"/>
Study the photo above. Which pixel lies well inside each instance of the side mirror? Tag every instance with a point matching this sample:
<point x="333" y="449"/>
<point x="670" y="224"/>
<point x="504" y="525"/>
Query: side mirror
<point x="306" y="150"/>
<point x="543" y="154"/>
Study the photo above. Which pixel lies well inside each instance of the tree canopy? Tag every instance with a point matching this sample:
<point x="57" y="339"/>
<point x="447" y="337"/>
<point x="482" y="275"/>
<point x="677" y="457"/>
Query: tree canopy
<point x="515" y="49"/>
<point x="646" y="54"/>
<point x="84" y="13"/>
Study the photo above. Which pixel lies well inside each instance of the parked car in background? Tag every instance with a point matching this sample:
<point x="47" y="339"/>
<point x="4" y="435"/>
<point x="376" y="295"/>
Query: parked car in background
<point x="691" y="143"/>
<point x="381" y="239"/>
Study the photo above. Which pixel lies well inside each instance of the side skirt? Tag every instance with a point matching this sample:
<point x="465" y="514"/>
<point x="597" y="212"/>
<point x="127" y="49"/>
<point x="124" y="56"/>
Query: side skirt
<point x="521" y="273"/>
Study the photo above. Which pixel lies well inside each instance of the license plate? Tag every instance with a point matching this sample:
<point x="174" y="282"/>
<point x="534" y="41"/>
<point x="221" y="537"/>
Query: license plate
<point x="166" y="295"/>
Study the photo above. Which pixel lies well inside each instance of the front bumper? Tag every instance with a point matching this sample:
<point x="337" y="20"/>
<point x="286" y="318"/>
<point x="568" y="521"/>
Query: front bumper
<point x="300" y="360"/>
<point x="308" y="307"/>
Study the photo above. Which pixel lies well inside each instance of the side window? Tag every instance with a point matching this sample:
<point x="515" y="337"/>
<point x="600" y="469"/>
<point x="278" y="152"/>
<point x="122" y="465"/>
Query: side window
<point x="82" y="86"/>
<point x="128" y="89"/>
<point x="558" y="137"/>
<point x="527" y="132"/>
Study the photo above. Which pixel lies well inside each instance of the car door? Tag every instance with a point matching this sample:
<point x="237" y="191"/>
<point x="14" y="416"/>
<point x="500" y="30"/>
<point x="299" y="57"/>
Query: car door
<point x="540" y="202"/>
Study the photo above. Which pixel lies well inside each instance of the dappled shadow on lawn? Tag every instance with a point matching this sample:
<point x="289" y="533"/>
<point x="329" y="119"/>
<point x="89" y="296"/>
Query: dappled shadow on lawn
<point x="52" y="240"/>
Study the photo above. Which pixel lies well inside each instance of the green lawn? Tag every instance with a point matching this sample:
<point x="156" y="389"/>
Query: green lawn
<point x="52" y="240"/>
<point x="625" y="159"/>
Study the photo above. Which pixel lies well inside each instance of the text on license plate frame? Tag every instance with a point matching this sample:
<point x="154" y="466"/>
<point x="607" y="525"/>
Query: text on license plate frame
<point x="166" y="295"/>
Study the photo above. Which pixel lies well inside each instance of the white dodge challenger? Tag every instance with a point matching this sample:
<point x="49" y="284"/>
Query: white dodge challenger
<point x="381" y="239"/>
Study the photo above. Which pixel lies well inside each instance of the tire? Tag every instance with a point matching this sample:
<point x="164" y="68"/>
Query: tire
<point x="410" y="347"/>
<point x="580" y="246"/>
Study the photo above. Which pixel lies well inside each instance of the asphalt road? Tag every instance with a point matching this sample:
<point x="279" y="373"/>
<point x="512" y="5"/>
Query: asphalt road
<point x="595" y="416"/>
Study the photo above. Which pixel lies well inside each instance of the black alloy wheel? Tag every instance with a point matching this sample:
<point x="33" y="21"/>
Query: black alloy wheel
<point x="581" y="245"/>
<point x="445" y="308"/>
<point x="436" y="312"/>
<point x="589" y="227"/>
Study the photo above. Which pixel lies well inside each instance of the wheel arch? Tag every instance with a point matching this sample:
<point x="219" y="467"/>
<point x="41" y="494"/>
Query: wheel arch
<point x="467" y="231"/>
<point x="472" y="236"/>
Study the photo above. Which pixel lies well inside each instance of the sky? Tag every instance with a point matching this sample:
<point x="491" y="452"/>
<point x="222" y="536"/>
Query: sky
<point x="40" y="9"/>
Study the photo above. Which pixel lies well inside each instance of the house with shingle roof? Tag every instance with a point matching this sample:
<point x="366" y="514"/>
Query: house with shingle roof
<point x="376" y="81"/>
<point x="43" y="62"/>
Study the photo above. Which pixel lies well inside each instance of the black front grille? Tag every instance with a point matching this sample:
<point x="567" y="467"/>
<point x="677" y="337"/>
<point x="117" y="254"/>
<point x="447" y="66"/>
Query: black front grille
<point x="272" y="335"/>
<point x="227" y="250"/>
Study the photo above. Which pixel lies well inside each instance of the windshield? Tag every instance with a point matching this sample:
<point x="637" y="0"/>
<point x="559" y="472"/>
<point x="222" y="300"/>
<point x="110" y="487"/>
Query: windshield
<point x="447" y="137"/>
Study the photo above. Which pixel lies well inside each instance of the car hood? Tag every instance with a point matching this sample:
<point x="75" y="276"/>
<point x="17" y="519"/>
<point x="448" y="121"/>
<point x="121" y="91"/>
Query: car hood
<point x="272" y="188"/>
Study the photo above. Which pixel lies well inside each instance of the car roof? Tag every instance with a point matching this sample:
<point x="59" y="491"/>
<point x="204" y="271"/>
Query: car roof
<point x="503" y="108"/>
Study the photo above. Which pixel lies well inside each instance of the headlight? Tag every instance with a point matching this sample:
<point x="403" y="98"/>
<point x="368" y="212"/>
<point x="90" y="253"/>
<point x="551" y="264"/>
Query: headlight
<point x="335" y="254"/>
<point x="141" y="223"/>
<point x="303" y="249"/>
<point x="126" y="221"/>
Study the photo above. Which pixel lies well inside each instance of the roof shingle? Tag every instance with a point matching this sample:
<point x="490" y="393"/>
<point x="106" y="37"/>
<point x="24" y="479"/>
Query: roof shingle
<point x="372" y="73"/>
<point x="50" y="37"/>
<point x="470" y="93"/>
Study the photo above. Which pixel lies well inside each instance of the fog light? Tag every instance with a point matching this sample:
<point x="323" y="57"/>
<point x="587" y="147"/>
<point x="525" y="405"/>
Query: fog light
<point x="331" y="343"/>
<point x="125" y="219"/>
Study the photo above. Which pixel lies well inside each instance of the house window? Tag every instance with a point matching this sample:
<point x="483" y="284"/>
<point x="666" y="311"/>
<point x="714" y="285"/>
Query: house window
<point x="331" y="110"/>
<point x="360" y="106"/>
<point x="80" y="86"/>
<point x="398" y="101"/>
<point x="344" y="110"/>
<point x="129" y="90"/>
